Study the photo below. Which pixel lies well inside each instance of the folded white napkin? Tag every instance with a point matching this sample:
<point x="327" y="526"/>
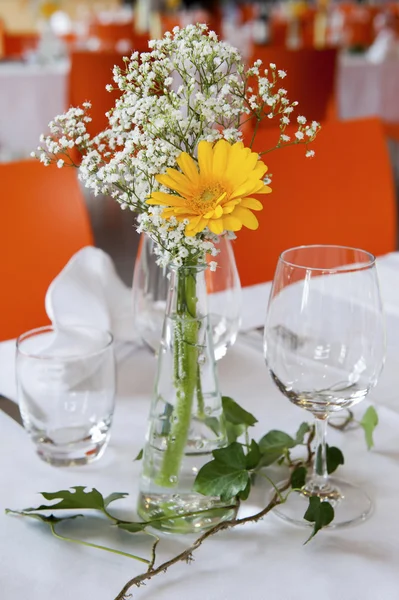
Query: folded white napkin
<point x="88" y="291"/>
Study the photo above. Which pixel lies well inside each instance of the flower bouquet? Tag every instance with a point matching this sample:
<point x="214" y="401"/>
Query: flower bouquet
<point x="173" y="153"/>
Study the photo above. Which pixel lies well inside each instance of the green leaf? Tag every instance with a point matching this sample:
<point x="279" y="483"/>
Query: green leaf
<point x="72" y="500"/>
<point x="304" y="428"/>
<point x="232" y="456"/>
<point x="320" y="513"/>
<point x="273" y="445"/>
<point x="245" y="493"/>
<point x="369" y="422"/>
<point x="235" y="414"/>
<point x="50" y="519"/>
<point x="140" y="455"/>
<point x="253" y="457"/>
<point x="213" y="423"/>
<point x="334" y="458"/>
<point x="219" y="479"/>
<point x="114" y="496"/>
<point x="298" y="477"/>
<point x="234" y="431"/>
<point x="133" y="527"/>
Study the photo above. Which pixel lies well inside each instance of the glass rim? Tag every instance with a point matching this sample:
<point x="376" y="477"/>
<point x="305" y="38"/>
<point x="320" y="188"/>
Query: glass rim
<point x="339" y="269"/>
<point x="53" y="328"/>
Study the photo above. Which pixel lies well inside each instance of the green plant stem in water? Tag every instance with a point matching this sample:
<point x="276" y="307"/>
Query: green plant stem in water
<point x="185" y="348"/>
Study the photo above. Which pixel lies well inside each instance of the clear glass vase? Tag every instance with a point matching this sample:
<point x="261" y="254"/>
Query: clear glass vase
<point x="150" y="290"/>
<point x="186" y="420"/>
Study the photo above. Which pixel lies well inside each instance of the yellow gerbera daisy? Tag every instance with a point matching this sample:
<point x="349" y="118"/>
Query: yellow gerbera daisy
<point x="218" y="195"/>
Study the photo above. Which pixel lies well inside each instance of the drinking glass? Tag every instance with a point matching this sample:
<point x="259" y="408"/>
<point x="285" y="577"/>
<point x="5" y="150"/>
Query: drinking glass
<point x="150" y="289"/>
<point x="66" y="391"/>
<point x="324" y="346"/>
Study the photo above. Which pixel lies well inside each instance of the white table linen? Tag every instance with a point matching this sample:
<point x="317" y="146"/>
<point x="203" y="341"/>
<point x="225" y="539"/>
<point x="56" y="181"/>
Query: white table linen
<point x="31" y="95"/>
<point x="264" y="560"/>
<point x="368" y="89"/>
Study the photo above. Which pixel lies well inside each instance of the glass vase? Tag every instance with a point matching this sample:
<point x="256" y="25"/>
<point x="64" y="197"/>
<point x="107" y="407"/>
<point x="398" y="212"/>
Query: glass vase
<point x="150" y="290"/>
<point x="186" y="420"/>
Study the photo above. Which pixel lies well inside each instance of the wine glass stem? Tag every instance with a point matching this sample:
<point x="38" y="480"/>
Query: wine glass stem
<point x="320" y="472"/>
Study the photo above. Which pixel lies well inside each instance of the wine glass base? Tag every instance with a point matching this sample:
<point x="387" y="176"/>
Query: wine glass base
<point x="354" y="505"/>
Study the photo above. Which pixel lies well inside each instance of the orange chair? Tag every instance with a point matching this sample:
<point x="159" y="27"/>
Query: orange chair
<point x="16" y="45"/>
<point x="310" y="81"/>
<point x="109" y="34"/>
<point x="90" y="73"/>
<point x="43" y="223"/>
<point x="344" y="195"/>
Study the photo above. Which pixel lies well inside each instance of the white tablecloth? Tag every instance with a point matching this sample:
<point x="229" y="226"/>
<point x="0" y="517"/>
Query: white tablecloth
<point x="31" y="95"/>
<point x="266" y="560"/>
<point x="367" y="89"/>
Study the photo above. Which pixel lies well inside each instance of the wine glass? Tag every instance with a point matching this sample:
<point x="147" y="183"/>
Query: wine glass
<point x="324" y="346"/>
<point x="150" y="289"/>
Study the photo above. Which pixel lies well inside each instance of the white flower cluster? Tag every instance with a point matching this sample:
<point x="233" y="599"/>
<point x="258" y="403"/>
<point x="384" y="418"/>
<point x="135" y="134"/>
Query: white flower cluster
<point x="189" y="87"/>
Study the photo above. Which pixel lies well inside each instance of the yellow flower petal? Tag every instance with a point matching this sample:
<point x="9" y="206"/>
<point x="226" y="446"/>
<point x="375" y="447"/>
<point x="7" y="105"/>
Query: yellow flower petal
<point x="205" y="156"/>
<point x="251" y="203"/>
<point x="232" y="223"/>
<point x="176" y="181"/>
<point x="165" y="199"/>
<point x="189" y="167"/>
<point x="221" y="153"/>
<point x="247" y="218"/>
<point x="216" y="226"/>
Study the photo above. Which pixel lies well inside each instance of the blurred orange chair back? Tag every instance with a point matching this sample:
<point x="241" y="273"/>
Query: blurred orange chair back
<point x="90" y="73"/>
<point x="110" y="34"/>
<point x="311" y="77"/>
<point x="344" y="195"/>
<point x="16" y="45"/>
<point x="43" y="223"/>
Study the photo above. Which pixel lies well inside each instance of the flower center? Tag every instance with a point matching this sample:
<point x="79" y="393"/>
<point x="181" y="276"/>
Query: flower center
<point x="207" y="198"/>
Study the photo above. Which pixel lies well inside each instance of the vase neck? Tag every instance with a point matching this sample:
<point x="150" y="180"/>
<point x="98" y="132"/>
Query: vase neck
<point x="187" y="291"/>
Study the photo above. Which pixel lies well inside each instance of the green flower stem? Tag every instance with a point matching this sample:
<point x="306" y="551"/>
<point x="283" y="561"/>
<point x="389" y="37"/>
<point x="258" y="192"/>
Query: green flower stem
<point x="83" y="543"/>
<point x="185" y="376"/>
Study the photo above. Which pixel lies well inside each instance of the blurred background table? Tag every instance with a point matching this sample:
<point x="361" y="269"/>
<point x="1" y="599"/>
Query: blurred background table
<point x="32" y="94"/>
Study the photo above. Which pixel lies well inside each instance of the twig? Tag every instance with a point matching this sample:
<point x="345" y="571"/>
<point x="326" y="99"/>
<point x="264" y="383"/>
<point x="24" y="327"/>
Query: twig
<point x="342" y="426"/>
<point x="186" y="555"/>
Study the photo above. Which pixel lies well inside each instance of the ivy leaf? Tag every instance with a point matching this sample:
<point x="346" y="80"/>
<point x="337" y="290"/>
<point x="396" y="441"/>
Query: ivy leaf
<point x="232" y="456"/>
<point x="140" y="455"/>
<point x="133" y="527"/>
<point x="221" y="479"/>
<point x="243" y="495"/>
<point x="253" y="457"/>
<point x="234" y="431"/>
<point x="235" y="414"/>
<point x="298" y="477"/>
<point x="273" y="445"/>
<point x="334" y="458"/>
<point x="369" y="422"/>
<point x="77" y="499"/>
<point x="320" y="513"/>
<point x="50" y="519"/>
<point x="304" y="428"/>
<point x="114" y="496"/>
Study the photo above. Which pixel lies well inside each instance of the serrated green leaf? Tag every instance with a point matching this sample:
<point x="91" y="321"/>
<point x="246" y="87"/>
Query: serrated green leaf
<point x="234" y="431"/>
<point x="232" y="456"/>
<point x="298" y="477"/>
<point x="72" y="500"/>
<point x="235" y="414"/>
<point x="369" y="422"/>
<point x="334" y="458"/>
<point x="304" y="428"/>
<point x="218" y="479"/>
<point x="140" y="455"/>
<point x="320" y="513"/>
<point x="253" y="457"/>
<point x="114" y="496"/>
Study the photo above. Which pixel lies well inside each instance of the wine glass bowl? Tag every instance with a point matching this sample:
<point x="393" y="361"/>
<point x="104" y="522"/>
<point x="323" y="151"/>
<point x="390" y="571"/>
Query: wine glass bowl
<point x="324" y="347"/>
